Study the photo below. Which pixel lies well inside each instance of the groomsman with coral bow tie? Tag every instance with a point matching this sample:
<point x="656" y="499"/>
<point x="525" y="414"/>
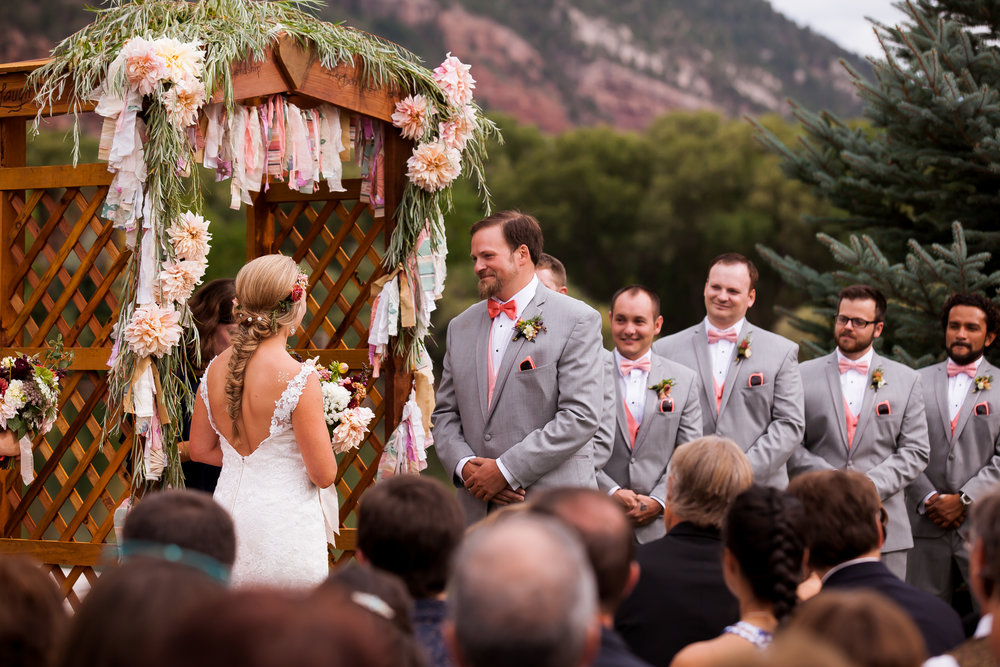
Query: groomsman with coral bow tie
<point x="866" y="413"/>
<point x="963" y="422"/>
<point x="751" y="389"/>
<point x="654" y="403"/>
<point x="520" y="391"/>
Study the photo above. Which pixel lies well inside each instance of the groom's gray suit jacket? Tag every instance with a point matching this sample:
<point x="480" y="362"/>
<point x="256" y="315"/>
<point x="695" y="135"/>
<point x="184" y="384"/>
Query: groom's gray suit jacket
<point x="765" y="419"/>
<point x="541" y="421"/>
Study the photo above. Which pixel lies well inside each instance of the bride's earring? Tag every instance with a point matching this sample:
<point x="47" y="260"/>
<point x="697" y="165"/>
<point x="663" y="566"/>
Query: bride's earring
<point x="292" y="332"/>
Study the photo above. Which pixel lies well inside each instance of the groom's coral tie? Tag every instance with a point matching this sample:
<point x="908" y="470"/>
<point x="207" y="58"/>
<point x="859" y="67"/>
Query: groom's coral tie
<point x="715" y="336"/>
<point x="494" y="308"/>
<point x="628" y="365"/>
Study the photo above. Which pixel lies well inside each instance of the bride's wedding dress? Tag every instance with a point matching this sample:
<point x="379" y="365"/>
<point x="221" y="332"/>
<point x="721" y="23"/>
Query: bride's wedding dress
<point x="283" y="521"/>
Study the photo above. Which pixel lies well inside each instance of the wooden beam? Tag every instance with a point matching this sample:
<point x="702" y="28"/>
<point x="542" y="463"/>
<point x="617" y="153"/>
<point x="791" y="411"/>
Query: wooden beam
<point x="58" y="176"/>
<point x="60" y="553"/>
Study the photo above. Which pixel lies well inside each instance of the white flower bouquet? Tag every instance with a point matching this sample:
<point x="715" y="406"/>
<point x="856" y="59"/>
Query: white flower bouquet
<point x="342" y="398"/>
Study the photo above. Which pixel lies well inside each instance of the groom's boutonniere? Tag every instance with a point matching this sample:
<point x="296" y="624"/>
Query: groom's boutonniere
<point x="743" y="351"/>
<point x="983" y="382"/>
<point x="529" y="329"/>
<point x="878" y="379"/>
<point x="662" y="388"/>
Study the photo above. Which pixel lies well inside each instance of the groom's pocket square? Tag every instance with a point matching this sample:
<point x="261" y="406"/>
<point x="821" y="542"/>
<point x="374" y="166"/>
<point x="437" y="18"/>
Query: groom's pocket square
<point x="528" y="364"/>
<point x="883" y="408"/>
<point x="666" y="404"/>
<point x="983" y="409"/>
<point x="756" y="380"/>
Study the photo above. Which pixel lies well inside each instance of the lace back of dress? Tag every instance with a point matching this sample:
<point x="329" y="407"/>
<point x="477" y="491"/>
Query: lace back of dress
<point x="289" y="399"/>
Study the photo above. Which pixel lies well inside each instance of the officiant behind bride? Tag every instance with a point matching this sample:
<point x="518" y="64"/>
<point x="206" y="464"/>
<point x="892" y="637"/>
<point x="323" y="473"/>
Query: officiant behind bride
<point x="259" y="414"/>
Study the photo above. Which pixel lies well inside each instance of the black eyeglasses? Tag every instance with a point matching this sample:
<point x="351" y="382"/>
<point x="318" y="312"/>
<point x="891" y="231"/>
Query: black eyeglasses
<point x="856" y="322"/>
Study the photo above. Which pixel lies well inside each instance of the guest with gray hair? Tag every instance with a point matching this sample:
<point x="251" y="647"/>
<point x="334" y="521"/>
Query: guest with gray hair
<point x="681" y="597"/>
<point x="522" y="593"/>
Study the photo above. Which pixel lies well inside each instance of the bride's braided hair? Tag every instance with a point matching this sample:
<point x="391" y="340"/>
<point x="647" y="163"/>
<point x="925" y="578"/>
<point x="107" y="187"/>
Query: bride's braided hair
<point x="263" y="305"/>
<point x="764" y="531"/>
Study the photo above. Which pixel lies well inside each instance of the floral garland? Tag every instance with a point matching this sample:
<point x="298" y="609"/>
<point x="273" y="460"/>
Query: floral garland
<point x="154" y="67"/>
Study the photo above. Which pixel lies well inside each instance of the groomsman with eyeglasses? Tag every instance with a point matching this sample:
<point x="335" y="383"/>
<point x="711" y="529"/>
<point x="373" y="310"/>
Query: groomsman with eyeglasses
<point x="865" y="413"/>
<point x="751" y="391"/>
<point x="963" y="420"/>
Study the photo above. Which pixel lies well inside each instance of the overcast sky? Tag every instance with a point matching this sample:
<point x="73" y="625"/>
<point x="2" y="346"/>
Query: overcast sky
<point x="843" y="21"/>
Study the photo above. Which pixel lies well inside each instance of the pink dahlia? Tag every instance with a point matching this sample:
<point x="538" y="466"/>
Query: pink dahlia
<point x="456" y="82"/>
<point x="412" y="116"/>
<point x="153" y="330"/>
<point x="433" y="166"/>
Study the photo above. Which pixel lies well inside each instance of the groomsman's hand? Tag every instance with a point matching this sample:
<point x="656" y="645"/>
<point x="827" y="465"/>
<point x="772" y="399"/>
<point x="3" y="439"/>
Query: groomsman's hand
<point x="509" y="496"/>
<point x="627" y="498"/>
<point x="486" y="481"/>
<point x="470" y="467"/>
<point x="645" y="511"/>
<point x="946" y="510"/>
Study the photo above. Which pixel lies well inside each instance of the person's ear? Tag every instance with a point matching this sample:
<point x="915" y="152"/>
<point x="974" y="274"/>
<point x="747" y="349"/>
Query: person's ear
<point x="632" y="580"/>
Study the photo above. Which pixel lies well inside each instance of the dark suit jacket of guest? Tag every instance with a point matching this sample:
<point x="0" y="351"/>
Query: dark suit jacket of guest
<point x="936" y="620"/>
<point x="615" y="652"/>
<point x="681" y="597"/>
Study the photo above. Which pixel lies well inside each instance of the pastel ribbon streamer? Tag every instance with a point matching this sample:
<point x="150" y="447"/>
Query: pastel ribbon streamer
<point x="27" y="461"/>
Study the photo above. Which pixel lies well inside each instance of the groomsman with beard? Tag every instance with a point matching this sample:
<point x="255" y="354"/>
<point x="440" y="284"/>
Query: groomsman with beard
<point x="865" y="413"/>
<point x="751" y="391"/>
<point x="653" y="407"/>
<point x="520" y="391"/>
<point x="963" y="421"/>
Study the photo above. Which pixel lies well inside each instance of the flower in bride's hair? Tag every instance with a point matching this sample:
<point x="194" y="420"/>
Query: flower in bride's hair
<point x="177" y="280"/>
<point x="433" y="166"/>
<point x="153" y="330"/>
<point x="412" y="116"/>
<point x="454" y="79"/>
<point x="144" y="67"/>
<point x="183" y="101"/>
<point x="184" y="60"/>
<point x="190" y="236"/>
<point x="351" y="430"/>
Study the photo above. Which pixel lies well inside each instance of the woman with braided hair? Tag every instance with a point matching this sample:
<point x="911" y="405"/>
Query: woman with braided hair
<point x="762" y="560"/>
<point x="260" y="416"/>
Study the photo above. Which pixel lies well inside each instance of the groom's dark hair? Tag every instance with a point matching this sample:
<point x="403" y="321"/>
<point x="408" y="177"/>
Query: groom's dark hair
<point x="632" y="289"/>
<point x="518" y="229"/>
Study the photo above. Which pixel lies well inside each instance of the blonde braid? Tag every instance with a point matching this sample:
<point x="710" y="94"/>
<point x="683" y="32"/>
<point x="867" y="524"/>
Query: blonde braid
<point x="245" y="342"/>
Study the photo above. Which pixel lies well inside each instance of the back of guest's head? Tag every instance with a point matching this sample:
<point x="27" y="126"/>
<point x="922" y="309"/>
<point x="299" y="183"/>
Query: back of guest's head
<point x="704" y="477"/>
<point x="798" y="648"/>
<point x="521" y="593"/>
<point x="212" y="308"/>
<point x="410" y="526"/>
<point x="844" y="514"/>
<point x="764" y="531"/>
<point x="125" y="615"/>
<point x="869" y="629"/>
<point x="379" y="591"/>
<point x="271" y="628"/>
<point x="985" y="522"/>
<point x="604" y="531"/>
<point x="33" y="620"/>
<point x="191" y="520"/>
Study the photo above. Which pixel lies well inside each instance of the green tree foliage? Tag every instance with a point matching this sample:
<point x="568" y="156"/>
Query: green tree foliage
<point x="930" y="159"/>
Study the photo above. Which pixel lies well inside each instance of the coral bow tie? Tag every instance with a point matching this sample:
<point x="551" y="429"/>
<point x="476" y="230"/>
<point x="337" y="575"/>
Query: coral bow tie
<point x="715" y="336"/>
<point x="494" y="308"/>
<point x="628" y="365"/>
<point x="954" y="369"/>
<point x="847" y="365"/>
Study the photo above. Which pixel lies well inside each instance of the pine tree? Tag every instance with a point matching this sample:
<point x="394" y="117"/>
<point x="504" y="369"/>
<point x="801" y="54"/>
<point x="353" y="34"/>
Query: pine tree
<point x="926" y="168"/>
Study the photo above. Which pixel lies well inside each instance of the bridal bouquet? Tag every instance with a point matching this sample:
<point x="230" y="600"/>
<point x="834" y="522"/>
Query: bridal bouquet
<point x="342" y="397"/>
<point x="29" y="399"/>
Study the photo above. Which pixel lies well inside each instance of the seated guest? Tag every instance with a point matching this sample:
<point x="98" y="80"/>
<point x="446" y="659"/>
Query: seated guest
<point x="125" y="616"/>
<point x="606" y="534"/>
<point x="410" y="526"/>
<point x="522" y="593"/>
<point x="33" y="621"/>
<point x="867" y="627"/>
<point x="681" y="596"/>
<point x="844" y="537"/>
<point x="198" y="531"/>
<point x="763" y="542"/>
<point x="984" y="556"/>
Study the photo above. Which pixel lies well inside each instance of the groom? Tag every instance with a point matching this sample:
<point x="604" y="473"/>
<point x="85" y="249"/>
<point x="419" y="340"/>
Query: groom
<point x="520" y="393"/>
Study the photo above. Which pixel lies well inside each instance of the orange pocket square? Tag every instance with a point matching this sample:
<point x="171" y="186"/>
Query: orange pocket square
<point x="527" y="365"/>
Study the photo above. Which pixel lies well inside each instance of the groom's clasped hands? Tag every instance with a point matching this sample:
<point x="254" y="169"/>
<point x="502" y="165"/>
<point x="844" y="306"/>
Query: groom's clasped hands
<point x="484" y="481"/>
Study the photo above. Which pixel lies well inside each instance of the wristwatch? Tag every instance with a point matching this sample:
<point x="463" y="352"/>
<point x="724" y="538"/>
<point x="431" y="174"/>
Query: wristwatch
<point x="966" y="500"/>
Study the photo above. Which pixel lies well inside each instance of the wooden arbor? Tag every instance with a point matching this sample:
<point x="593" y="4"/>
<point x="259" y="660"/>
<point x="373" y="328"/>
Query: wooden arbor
<point x="61" y="272"/>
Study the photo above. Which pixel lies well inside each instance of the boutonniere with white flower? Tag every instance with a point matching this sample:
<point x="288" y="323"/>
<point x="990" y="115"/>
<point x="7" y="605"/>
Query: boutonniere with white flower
<point x="983" y="382"/>
<point x="662" y="388"/>
<point x="743" y="351"/>
<point x="878" y="379"/>
<point x="529" y="329"/>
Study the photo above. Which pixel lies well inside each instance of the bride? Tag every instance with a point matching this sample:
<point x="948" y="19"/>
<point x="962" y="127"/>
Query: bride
<point x="259" y="414"/>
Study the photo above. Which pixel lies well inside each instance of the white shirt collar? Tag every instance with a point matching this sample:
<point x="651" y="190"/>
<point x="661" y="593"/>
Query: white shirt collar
<point x="846" y="564"/>
<point x="867" y="357"/>
<point x="736" y="327"/>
